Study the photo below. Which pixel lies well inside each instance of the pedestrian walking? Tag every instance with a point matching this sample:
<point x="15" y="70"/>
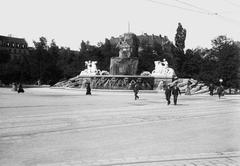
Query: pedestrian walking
<point x="220" y="91"/>
<point x="20" y="88"/>
<point x="136" y="90"/>
<point x="211" y="88"/>
<point x="14" y="87"/>
<point x="188" y="89"/>
<point x="168" y="94"/>
<point x="88" y="89"/>
<point x="175" y="92"/>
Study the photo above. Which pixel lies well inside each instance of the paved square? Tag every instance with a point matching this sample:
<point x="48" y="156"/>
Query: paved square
<point x="65" y="127"/>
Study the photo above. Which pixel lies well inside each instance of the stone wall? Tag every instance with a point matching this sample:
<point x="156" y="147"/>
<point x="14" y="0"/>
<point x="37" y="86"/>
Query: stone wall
<point x="109" y="82"/>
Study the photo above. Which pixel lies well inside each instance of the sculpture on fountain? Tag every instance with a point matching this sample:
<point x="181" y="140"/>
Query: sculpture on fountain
<point x="124" y="64"/>
<point x="162" y="70"/>
<point x="91" y="69"/>
<point x="125" y="48"/>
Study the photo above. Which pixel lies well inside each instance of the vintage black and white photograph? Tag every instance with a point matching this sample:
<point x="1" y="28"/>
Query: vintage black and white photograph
<point x="120" y="83"/>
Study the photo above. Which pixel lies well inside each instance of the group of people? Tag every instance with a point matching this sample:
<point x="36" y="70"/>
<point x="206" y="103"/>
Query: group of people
<point x="175" y="91"/>
<point x="169" y="91"/>
<point x="220" y="90"/>
<point x="17" y="87"/>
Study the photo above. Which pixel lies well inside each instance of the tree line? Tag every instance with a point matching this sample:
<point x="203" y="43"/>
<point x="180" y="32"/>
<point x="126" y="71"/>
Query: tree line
<point x="51" y="63"/>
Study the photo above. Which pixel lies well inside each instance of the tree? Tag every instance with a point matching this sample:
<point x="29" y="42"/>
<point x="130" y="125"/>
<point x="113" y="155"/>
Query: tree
<point x="105" y="55"/>
<point x="192" y="65"/>
<point x="157" y="51"/>
<point x="135" y="45"/>
<point x="41" y="54"/>
<point x="67" y="63"/>
<point x="146" y="57"/>
<point x="227" y="53"/>
<point x="208" y="73"/>
<point x="46" y="61"/>
<point x="53" y="71"/>
<point x="180" y="37"/>
<point x="179" y="49"/>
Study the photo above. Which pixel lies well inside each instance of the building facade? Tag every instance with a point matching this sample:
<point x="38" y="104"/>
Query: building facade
<point x="15" y="46"/>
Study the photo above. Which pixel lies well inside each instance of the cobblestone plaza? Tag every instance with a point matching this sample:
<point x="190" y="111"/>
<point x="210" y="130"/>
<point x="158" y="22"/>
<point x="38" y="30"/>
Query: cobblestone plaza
<point x="53" y="127"/>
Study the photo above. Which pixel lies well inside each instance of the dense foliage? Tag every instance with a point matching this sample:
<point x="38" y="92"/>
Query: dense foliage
<point x="49" y="63"/>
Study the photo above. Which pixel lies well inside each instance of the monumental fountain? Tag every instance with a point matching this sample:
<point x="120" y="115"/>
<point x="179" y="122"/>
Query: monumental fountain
<point x="122" y="72"/>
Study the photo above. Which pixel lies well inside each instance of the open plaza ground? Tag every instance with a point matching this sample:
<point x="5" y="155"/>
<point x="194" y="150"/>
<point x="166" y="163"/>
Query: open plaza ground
<point x="59" y="127"/>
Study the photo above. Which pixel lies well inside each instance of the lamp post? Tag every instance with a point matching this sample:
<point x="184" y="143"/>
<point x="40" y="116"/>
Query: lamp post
<point x="220" y="80"/>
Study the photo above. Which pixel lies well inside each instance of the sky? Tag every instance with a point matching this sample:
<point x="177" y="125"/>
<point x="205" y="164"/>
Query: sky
<point x="69" y="22"/>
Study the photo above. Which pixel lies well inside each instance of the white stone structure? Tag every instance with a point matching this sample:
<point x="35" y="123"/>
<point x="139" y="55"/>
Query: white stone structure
<point x="162" y="69"/>
<point x="91" y="69"/>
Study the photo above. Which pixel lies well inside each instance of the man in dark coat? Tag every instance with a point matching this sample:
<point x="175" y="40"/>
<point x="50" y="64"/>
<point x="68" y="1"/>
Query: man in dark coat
<point x="175" y="92"/>
<point x="168" y="94"/>
<point x="20" y="88"/>
<point x="88" y="88"/>
<point x="220" y="91"/>
<point x="211" y="88"/>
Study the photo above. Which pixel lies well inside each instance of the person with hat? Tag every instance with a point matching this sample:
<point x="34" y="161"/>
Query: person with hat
<point x="168" y="94"/>
<point x="175" y="92"/>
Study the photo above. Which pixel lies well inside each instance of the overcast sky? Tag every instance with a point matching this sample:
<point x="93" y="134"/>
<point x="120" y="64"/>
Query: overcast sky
<point x="71" y="21"/>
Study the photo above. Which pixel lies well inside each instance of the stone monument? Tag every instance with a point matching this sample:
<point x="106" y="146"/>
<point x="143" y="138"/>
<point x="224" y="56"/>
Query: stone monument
<point x="91" y="69"/>
<point x="124" y="64"/>
<point x="162" y="70"/>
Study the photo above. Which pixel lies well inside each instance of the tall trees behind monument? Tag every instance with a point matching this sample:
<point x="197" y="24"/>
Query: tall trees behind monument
<point x="146" y="60"/>
<point x="191" y="65"/>
<point x="227" y="53"/>
<point x="46" y="61"/>
<point x="41" y="55"/>
<point x="106" y="52"/>
<point x="179" y="51"/>
<point x="180" y="37"/>
<point x="135" y="45"/>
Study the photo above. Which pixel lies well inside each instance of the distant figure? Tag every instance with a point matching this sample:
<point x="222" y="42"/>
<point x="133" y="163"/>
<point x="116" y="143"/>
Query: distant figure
<point x="20" y="88"/>
<point x="175" y="92"/>
<point x="136" y="90"/>
<point x="168" y="94"/>
<point x="211" y="88"/>
<point x="51" y="82"/>
<point x="188" y="89"/>
<point x="220" y="91"/>
<point x="39" y="82"/>
<point x="14" y="86"/>
<point x="88" y="89"/>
